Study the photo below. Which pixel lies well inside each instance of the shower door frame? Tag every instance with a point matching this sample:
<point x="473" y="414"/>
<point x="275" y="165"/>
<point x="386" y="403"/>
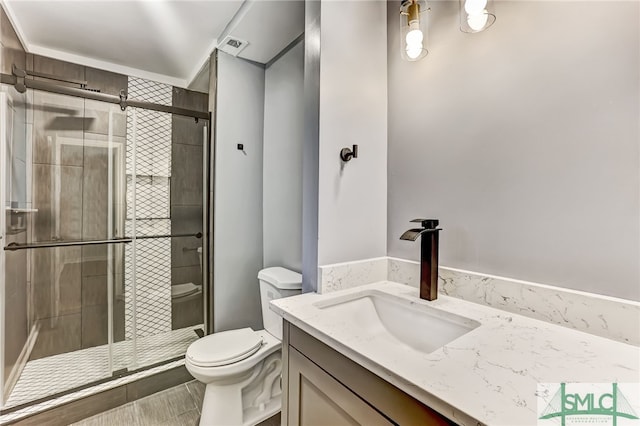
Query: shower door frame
<point x="3" y="230"/>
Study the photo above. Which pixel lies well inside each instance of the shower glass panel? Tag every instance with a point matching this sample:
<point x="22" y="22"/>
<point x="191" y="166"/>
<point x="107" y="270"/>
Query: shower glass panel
<point x="163" y="274"/>
<point x="71" y="178"/>
<point x="107" y="205"/>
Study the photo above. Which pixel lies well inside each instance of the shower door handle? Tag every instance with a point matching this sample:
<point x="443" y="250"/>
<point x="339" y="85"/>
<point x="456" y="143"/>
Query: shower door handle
<point x="52" y="244"/>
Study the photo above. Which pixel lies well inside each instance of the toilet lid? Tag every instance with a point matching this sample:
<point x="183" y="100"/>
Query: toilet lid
<point x="224" y="348"/>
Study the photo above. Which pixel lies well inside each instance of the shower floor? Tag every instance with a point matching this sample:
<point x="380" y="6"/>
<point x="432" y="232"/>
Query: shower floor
<point x="48" y="376"/>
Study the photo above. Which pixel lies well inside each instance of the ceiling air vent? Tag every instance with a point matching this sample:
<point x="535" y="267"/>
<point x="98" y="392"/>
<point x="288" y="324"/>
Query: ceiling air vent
<point x="232" y="45"/>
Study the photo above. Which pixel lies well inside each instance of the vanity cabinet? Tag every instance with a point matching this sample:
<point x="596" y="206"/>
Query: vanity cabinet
<point x="323" y="387"/>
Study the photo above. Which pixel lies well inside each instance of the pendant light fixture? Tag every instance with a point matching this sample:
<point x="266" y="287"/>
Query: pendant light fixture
<point x="413" y="29"/>
<point x="476" y="15"/>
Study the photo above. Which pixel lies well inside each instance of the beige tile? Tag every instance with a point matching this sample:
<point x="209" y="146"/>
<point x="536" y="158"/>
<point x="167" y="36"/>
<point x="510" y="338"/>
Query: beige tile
<point x="42" y="201"/>
<point x="196" y="389"/>
<point x="8" y="36"/>
<point x="164" y="406"/>
<point x="186" y="182"/>
<point x="94" y="260"/>
<point x="51" y="267"/>
<point x="95" y="191"/>
<point x="271" y="421"/>
<point x="125" y="415"/>
<point x="15" y="305"/>
<point x="12" y="56"/>
<point x="181" y="257"/>
<point x="11" y="49"/>
<point x="94" y="325"/>
<point x="58" y="68"/>
<point x="58" y="123"/>
<point x="106" y="81"/>
<point x="187" y="219"/>
<point x="185" y="130"/>
<point x="186" y="274"/>
<point x="118" y="320"/>
<point x="57" y="336"/>
<point x="150" y="385"/>
<point x="68" y="212"/>
<point x="78" y="410"/>
<point x="94" y="290"/>
<point x="184" y="98"/>
<point x="186" y="311"/>
<point x="190" y="418"/>
<point x="100" y="115"/>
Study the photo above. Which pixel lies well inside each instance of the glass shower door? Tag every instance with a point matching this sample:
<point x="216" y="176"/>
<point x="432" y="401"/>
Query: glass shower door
<point x="65" y="243"/>
<point x="102" y="239"/>
<point x="163" y="270"/>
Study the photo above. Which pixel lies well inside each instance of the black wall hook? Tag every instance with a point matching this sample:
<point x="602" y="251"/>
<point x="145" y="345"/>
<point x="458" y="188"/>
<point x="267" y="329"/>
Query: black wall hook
<point x="347" y="154"/>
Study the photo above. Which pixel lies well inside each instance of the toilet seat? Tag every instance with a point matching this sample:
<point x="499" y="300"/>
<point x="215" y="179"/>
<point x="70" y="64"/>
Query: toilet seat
<point x="183" y="290"/>
<point x="224" y="348"/>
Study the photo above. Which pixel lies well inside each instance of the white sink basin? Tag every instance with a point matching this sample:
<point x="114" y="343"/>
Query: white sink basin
<point x="392" y="320"/>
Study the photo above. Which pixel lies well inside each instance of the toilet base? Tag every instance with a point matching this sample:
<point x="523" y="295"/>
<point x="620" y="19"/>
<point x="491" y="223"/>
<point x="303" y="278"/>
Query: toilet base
<point x="248" y="402"/>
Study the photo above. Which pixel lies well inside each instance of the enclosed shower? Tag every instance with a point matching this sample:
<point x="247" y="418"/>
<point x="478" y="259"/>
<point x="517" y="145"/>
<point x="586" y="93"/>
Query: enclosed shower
<point x="104" y="187"/>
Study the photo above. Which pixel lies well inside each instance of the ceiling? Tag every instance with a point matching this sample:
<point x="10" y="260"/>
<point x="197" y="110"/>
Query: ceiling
<point x="268" y="26"/>
<point x="167" y="41"/>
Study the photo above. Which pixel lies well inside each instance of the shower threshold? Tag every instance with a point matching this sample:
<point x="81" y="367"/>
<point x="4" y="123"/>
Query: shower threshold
<point x="53" y="375"/>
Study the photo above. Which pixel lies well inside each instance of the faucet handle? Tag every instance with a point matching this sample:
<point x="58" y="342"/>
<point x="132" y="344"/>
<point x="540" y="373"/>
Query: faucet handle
<point x="427" y="223"/>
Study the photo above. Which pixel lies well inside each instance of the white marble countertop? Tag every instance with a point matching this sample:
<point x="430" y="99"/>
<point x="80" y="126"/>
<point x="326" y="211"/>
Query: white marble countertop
<point x="488" y="375"/>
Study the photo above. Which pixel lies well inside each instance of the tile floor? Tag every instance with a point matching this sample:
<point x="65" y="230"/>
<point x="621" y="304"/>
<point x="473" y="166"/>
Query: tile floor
<point x="53" y="374"/>
<point x="179" y="406"/>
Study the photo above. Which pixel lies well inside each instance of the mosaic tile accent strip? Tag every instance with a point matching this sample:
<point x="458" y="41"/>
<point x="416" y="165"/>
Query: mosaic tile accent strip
<point x="152" y="195"/>
<point x="153" y="141"/>
<point x="151" y="91"/>
<point x="148" y="227"/>
<point x="152" y="308"/>
<point x="58" y="373"/>
<point x="150" y="313"/>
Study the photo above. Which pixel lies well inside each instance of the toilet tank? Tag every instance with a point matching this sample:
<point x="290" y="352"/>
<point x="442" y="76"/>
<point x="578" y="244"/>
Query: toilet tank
<point x="276" y="283"/>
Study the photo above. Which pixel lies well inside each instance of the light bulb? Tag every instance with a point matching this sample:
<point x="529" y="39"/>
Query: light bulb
<point x="474" y="7"/>
<point x="477" y="21"/>
<point x="414" y="51"/>
<point x="414" y="40"/>
<point x="414" y="37"/>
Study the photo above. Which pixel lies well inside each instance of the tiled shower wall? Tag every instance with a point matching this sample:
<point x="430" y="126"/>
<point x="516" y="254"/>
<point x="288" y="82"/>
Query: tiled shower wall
<point x="70" y="158"/>
<point x="186" y="203"/>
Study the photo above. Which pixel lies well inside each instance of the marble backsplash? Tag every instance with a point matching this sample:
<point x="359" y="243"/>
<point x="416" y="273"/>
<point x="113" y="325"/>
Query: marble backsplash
<point x="340" y="276"/>
<point x="609" y="317"/>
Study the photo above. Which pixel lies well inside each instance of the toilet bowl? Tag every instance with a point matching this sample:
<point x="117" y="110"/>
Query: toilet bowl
<point x="241" y="368"/>
<point x="180" y="292"/>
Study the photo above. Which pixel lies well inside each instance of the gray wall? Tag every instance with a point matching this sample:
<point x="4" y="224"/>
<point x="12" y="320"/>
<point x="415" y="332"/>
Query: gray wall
<point x="282" y="182"/>
<point x="352" y="197"/>
<point x="523" y="141"/>
<point x="238" y="194"/>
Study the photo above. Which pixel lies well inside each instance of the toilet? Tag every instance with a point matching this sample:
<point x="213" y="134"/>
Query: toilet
<point x="181" y="292"/>
<point x="241" y="368"/>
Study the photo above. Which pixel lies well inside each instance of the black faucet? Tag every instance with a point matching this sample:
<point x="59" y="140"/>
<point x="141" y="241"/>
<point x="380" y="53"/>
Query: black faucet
<point x="428" y="255"/>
